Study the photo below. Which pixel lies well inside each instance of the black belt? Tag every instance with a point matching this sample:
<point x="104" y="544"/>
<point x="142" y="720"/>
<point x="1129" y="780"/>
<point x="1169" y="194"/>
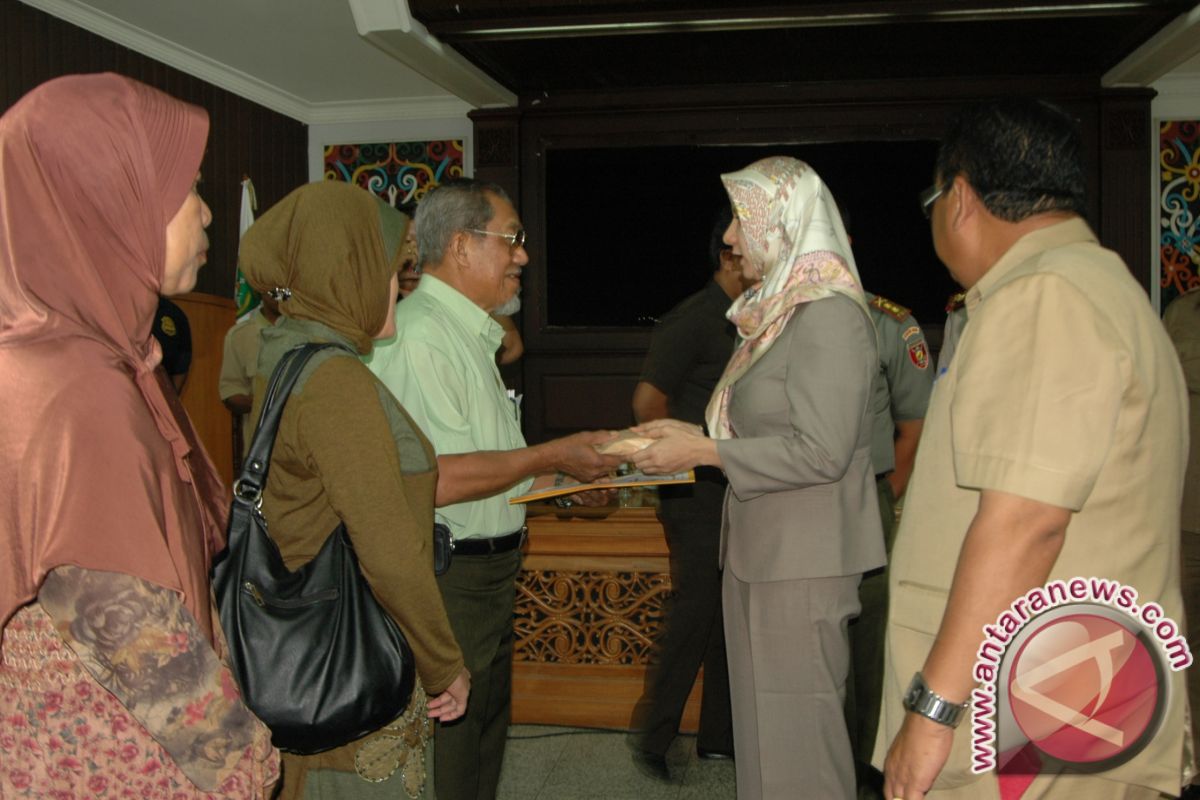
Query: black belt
<point x="488" y="547"/>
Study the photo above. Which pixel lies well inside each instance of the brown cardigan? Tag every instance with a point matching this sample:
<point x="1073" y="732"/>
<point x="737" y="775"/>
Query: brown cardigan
<point x="339" y="455"/>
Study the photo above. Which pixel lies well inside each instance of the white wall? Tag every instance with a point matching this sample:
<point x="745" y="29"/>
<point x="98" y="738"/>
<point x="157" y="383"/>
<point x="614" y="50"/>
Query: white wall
<point x="411" y="130"/>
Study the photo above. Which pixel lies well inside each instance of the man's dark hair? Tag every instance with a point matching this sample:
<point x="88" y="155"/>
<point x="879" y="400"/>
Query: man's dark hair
<point x="716" y="239"/>
<point x="456" y="205"/>
<point x="1022" y="157"/>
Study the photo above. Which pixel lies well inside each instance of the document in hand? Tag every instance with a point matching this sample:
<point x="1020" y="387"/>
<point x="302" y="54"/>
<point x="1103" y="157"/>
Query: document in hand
<point x="547" y="486"/>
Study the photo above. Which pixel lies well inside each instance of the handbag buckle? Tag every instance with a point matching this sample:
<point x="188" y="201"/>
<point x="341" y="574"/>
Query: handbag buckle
<point x="247" y="492"/>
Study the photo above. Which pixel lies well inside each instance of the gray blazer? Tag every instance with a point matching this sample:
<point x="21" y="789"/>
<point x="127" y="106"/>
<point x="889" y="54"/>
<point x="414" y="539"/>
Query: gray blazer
<point x="802" y="500"/>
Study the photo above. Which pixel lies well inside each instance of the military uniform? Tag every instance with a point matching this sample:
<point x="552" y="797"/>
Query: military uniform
<point x="900" y="393"/>
<point x="174" y="336"/>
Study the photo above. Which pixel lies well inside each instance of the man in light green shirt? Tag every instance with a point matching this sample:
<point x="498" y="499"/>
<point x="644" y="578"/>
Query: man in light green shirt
<point x="442" y="368"/>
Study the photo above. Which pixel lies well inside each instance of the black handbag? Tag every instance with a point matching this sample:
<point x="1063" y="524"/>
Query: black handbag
<point x="318" y="659"/>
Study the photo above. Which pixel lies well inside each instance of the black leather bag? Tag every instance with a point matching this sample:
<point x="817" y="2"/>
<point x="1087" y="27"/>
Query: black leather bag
<point x="318" y="659"/>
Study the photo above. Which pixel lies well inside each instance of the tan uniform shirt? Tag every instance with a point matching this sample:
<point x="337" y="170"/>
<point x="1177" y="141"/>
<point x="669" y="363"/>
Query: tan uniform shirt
<point x="1183" y="325"/>
<point x="239" y="364"/>
<point x="1065" y="390"/>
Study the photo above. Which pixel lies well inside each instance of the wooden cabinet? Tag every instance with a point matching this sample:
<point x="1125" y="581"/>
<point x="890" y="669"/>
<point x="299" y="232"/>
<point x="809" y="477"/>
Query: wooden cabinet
<point x="589" y="607"/>
<point x="209" y="317"/>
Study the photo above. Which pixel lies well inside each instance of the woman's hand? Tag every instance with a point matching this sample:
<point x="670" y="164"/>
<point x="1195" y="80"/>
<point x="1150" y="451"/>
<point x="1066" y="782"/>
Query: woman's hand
<point x="679" y="446"/>
<point x="452" y="703"/>
<point x="663" y="427"/>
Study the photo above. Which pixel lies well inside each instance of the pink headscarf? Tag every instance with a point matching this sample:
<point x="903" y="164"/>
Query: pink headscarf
<point x="794" y="235"/>
<point x="99" y="465"/>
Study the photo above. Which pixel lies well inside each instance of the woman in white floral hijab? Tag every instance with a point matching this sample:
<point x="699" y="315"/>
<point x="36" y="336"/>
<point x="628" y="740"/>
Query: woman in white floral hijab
<point x="789" y="423"/>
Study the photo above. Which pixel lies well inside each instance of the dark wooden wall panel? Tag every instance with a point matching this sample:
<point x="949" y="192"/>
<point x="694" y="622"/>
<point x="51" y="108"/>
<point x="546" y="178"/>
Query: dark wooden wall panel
<point x="1124" y="187"/>
<point x="582" y="377"/>
<point x="567" y="393"/>
<point x="244" y="139"/>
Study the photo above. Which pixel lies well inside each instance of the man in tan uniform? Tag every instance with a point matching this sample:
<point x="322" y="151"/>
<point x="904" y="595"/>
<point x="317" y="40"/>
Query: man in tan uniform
<point x="1182" y="320"/>
<point x="1053" y="448"/>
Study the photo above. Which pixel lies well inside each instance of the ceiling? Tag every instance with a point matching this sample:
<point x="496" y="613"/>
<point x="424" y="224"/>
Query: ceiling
<point x="350" y="60"/>
<point x="534" y="46"/>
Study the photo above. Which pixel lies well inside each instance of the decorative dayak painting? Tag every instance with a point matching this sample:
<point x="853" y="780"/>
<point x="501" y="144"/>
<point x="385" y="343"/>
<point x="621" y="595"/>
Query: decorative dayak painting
<point x="1179" y="208"/>
<point x="398" y="172"/>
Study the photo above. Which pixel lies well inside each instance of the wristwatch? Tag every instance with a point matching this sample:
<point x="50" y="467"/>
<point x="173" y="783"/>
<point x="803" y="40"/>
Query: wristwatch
<point x="919" y="699"/>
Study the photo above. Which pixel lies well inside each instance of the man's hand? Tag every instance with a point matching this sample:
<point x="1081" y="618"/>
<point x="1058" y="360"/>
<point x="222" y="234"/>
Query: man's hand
<point x="594" y="498"/>
<point x="916" y="757"/>
<point x="452" y="703"/>
<point x="679" y="446"/>
<point x="576" y="455"/>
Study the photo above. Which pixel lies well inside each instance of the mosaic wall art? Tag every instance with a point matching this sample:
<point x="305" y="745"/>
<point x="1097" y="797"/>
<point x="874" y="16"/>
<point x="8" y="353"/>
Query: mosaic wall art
<point x="1179" y="207"/>
<point x="398" y="172"/>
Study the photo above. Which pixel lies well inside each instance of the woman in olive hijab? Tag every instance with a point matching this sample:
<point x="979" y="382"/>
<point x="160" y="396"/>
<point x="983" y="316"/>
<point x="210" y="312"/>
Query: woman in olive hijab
<point x="347" y="452"/>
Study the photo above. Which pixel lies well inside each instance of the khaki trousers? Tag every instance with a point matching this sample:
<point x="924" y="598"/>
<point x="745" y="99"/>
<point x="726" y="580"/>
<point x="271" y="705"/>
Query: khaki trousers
<point x="788" y="659"/>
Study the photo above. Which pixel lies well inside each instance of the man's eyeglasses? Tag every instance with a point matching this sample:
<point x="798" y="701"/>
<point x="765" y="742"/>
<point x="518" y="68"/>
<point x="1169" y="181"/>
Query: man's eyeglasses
<point x="928" y="197"/>
<point x="515" y="240"/>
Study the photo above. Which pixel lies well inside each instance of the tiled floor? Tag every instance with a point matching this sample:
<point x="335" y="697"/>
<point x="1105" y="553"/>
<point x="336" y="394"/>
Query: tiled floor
<point x="549" y="763"/>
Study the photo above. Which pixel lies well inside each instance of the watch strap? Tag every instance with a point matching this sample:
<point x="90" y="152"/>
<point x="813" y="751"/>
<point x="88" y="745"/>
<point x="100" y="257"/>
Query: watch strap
<point x="920" y="699"/>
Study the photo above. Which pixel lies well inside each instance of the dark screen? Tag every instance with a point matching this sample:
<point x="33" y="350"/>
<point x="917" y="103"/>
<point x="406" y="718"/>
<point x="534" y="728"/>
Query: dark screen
<point x="628" y="229"/>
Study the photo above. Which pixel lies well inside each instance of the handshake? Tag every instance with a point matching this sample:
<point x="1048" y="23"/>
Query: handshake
<point x="593" y="461"/>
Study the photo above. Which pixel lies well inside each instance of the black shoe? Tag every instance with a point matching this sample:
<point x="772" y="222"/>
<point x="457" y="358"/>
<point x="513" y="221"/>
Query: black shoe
<point x="652" y="765"/>
<point x="713" y="755"/>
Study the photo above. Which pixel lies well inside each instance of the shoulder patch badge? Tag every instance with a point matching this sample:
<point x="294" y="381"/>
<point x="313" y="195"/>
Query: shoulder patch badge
<point x="911" y="331"/>
<point x="168" y="325"/>
<point x="894" y="310"/>
<point x="919" y="355"/>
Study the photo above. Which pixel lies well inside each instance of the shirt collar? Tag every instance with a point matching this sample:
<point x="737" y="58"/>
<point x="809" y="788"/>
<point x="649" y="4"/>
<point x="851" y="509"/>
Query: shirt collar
<point x="461" y="307"/>
<point x="1069" y="231"/>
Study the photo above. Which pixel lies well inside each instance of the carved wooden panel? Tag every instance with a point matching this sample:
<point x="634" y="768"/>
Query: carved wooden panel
<point x="589" y="617"/>
<point x="589" y="606"/>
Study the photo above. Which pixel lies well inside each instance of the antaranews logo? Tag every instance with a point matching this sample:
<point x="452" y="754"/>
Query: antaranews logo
<point x="1077" y="671"/>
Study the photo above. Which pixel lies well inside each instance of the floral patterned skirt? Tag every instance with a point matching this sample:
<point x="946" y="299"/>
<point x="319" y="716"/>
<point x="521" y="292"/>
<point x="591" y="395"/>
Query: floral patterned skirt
<point x="62" y="735"/>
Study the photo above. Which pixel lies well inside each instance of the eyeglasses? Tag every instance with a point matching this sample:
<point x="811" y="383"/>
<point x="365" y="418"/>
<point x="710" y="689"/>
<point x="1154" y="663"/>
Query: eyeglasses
<point x="928" y="197"/>
<point x="515" y="240"/>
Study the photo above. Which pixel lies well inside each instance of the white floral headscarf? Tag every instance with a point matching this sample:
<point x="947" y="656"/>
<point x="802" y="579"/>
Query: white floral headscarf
<point x="794" y="236"/>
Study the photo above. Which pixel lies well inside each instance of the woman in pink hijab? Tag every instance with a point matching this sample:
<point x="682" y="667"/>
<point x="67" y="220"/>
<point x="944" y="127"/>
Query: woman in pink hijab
<point x="110" y="511"/>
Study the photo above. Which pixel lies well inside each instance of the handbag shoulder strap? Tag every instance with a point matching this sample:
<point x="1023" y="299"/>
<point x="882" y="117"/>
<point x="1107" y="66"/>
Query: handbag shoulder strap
<point x="252" y="480"/>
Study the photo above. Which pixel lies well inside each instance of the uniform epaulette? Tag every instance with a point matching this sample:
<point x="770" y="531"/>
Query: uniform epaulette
<point x="890" y="308"/>
<point x="955" y="302"/>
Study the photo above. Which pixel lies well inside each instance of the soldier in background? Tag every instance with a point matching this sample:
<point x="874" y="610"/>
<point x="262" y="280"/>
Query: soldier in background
<point x="899" y="399"/>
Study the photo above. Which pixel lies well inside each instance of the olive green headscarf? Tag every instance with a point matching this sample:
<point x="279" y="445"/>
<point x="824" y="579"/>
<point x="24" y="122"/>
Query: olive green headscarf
<point x="335" y="247"/>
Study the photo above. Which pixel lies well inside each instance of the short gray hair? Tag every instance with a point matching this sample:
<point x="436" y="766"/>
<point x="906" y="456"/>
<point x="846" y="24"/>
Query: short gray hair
<point x="454" y="206"/>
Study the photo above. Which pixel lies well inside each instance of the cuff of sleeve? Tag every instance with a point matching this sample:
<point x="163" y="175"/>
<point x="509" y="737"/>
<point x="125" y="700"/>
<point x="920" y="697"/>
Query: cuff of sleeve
<point x="1043" y="484"/>
<point x="728" y="450"/>
<point x="443" y="681"/>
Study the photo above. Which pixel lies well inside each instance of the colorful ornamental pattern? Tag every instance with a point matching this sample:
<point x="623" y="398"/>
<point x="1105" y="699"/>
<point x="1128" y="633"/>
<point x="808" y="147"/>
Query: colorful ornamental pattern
<point x="400" y="173"/>
<point x="1179" y="206"/>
